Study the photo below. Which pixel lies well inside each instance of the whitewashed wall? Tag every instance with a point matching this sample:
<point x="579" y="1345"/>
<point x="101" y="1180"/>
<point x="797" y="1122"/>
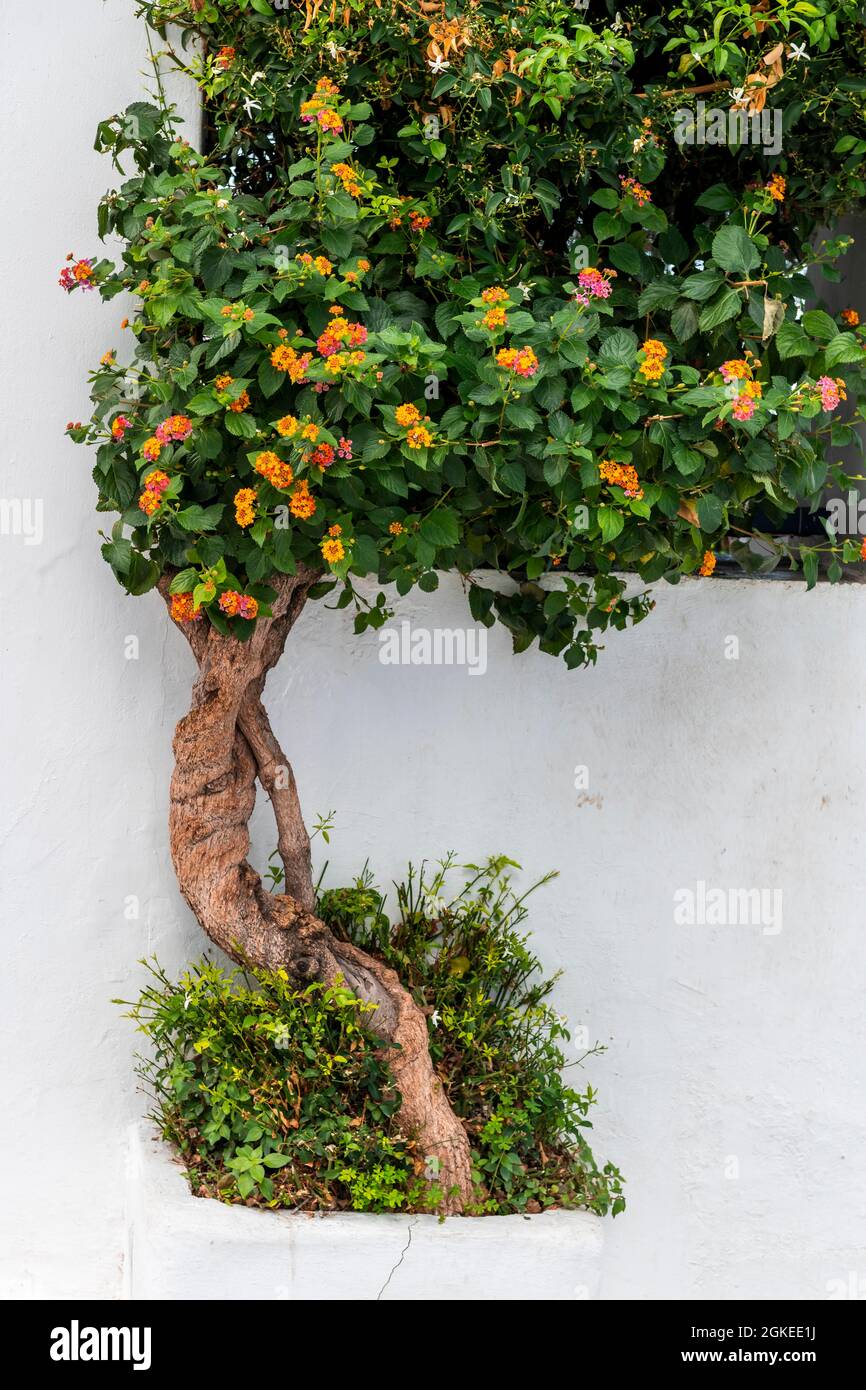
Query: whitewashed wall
<point x="732" y="1094"/>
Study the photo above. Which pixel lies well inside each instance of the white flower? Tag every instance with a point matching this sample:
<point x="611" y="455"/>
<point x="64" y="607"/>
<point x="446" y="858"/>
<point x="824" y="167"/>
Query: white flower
<point x="736" y="94"/>
<point x="434" y="1018"/>
<point x="222" y="202"/>
<point x="798" y="50"/>
<point x="437" y="64"/>
<point x="526" y="290"/>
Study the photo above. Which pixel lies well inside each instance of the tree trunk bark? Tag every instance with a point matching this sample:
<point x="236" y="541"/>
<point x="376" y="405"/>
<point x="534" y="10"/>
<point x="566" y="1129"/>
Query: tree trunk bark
<point x="221" y="747"/>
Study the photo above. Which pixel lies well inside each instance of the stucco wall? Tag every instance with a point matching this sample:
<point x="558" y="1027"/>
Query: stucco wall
<point x="732" y="1094"/>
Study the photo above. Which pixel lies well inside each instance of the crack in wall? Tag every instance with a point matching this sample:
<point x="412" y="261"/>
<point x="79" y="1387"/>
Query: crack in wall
<point x="404" y="1252"/>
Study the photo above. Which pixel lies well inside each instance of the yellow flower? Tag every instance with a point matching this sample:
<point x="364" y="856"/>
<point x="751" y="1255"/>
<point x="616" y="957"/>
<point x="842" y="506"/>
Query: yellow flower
<point x="407" y="415"/>
<point x="245" y="506"/>
<point x="332" y="551"/>
<point x="419" y="438"/>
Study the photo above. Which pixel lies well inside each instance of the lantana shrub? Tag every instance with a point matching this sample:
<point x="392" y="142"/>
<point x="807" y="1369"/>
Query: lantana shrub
<point x="530" y="293"/>
<point x="443" y="290"/>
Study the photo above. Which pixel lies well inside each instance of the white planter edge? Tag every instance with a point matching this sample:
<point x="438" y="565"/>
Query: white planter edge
<point x="183" y="1247"/>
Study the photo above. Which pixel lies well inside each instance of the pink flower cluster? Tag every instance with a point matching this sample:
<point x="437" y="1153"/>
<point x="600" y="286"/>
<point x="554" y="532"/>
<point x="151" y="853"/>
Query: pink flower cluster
<point x="77" y="276"/>
<point x="831" y="392"/>
<point x="119" y="426"/>
<point x="345" y="449"/>
<point x="593" y="285"/>
<point x="176" y="427"/>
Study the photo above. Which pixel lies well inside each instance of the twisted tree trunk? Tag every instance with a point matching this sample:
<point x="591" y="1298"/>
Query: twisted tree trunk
<point x="221" y="747"/>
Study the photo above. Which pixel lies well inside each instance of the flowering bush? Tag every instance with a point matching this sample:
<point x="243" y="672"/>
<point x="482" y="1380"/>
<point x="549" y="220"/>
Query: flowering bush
<point x="444" y="289"/>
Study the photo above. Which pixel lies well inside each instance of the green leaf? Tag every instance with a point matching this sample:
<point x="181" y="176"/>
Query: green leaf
<point x="625" y="257"/>
<point x="659" y="294"/>
<point x="819" y="325"/>
<point x="718" y="198"/>
<point x="619" y="349"/>
<point x="727" y="306"/>
<point x="523" y="417"/>
<point x="791" y="341"/>
<point x="440" y="528"/>
<point x="611" y="523"/>
<point x="198" y="518"/>
<point x="711" y="512"/>
<point x="703" y="284"/>
<point x="734" y="250"/>
<point x="843" y="348"/>
<point x="684" y="321"/>
<point x="241" y="425"/>
<point x="184" y="582"/>
<point x="809" y="560"/>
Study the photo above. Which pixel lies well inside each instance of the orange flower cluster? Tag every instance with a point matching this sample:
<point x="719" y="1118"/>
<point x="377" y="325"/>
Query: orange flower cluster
<point x="151" y="449"/>
<point x="622" y="475"/>
<point x="278" y="474"/>
<point x="348" y="178"/>
<point x="851" y="317"/>
<point x="636" y="190"/>
<point x="302" y="504"/>
<point x="288" y="425"/>
<point x="340" y="332"/>
<point x="495" y="294"/>
<point x="223" y="382"/>
<point x="653" y="366"/>
<point x="396" y="528"/>
<point x="776" y="188"/>
<point x="245" y="506"/>
<point x="286" y="359"/>
<point x="521" y="361"/>
<point x="183" y="610"/>
<point x="242" y="403"/>
<point x="317" y="108"/>
<point x="407" y="415"/>
<point x="419" y="221"/>
<point x="708" y="564"/>
<point x="735" y="370"/>
<point x="495" y="318"/>
<point x="236" y="605"/>
<point x="319" y="263"/>
<point x="155" y="485"/>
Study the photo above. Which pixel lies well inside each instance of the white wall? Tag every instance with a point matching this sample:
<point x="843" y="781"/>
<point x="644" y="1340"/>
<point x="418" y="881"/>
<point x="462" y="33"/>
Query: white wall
<point x="725" y="1043"/>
